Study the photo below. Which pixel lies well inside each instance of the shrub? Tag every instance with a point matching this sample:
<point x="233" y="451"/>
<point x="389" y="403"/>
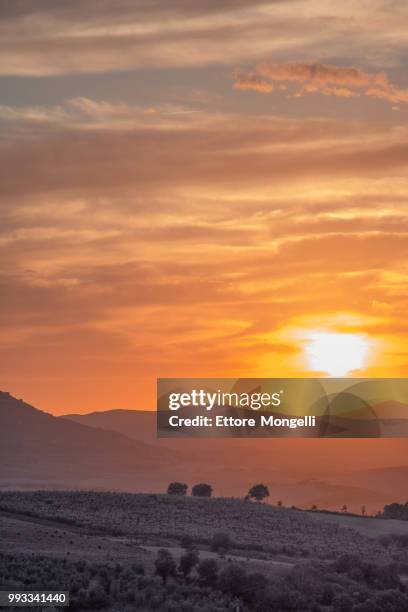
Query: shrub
<point x="165" y="564"/>
<point x="398" y="511"/>
<point x="202" y="490"/>
<point x="208" y="572"/>
<point x="177" y="488"/>
<point x="221" y="542"/>
<point x="232" y="580"/>
<point x="188" y="561"/>
<point x="258" y="492"/>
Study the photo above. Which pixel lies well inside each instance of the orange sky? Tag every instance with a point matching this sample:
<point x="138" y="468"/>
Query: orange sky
<point x="196" y="189"/>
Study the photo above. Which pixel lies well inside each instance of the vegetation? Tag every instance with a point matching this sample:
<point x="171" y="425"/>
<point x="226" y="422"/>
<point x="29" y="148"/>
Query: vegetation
<point x="110" y="586"/>
<point x="165" y="565"/>
<point x="261" y="528"/>
<point x="349" y="584"/>
<point x="177" y="488"/>
<point x="188" y="561"/>
<point x="221" y="542"/>
<point x="202" y="490"/>
<point x="332" y="569"/>
<point x="396" y="511"/>
<point x="208" y="572"/>
<point x="258" y="492"/>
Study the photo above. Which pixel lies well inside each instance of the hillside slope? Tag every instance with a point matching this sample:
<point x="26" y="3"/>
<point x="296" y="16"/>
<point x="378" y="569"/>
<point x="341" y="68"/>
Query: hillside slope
<point x="160" y="518"/>
<point x="37" y="448"/>
<point x="302" y="472"/>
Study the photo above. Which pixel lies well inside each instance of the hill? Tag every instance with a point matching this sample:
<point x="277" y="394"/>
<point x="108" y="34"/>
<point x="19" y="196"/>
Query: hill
<point x="302" y="472"/>
<point x="136" y="424"/>
<point x="39" y="449"/>
<point x="165" y="519"/>
<point x="119" y="450"/>
<point x="106" y="549"/>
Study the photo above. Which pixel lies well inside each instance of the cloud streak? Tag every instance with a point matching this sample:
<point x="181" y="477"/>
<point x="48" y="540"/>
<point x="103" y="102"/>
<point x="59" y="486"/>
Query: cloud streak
<point x="316" y="77"/>
<point x="138" y="246"/>
<point x="41" y="38"/>
<point x="153" y="221"/>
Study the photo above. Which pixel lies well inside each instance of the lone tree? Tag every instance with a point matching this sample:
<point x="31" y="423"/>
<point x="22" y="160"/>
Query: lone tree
<point x="258" y="492"/>
<point x="177" y="488"/>
<point x="202" y="490"/>
<point x="165" y="565"/>
<point x="188" y="561"/>
<point x="208" y="572"/>
<point x="232" y="580"/>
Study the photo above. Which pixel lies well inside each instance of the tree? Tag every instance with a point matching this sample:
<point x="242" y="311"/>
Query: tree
<point x="258" y="492"/>
<point x="221" y="542"/>
<point x="363" y="510"/>
<point x="344" y="508"/>
<point x="254" y="584"/>
<point x="177" y="488"/>
<point x="314" y="507"/>
<point x="188" y="561"/>
<point x="208" y="572"/>
<point x="165" y="564"/>
<point x="232" y="580"/>
<point x="202" y="490"/>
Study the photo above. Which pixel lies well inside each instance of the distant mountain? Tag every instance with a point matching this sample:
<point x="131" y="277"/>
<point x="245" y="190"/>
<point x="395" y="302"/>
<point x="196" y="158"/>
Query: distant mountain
<point x="301" y="472"/>
<point x="37" y="447"/>
<point x="119" y="450"/>
<point x="388" y="480"/>
<point x="136" y="424"/>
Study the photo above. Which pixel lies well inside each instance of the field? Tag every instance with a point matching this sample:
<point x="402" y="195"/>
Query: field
<point x="166" y="519"/>
<point x="104" y="548"/>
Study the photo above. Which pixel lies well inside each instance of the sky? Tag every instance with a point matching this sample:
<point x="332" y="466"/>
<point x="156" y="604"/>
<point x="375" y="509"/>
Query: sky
<point x="207" y="188"/>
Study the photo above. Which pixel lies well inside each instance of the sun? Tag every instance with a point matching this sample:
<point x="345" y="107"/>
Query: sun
<point x="336" y="354"/>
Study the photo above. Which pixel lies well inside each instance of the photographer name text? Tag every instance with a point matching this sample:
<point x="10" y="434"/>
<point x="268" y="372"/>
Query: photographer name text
<point x="229" y="421"/>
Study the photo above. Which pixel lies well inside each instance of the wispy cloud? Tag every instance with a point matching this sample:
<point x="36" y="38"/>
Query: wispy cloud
<point x="120" y="250"/>
<point x="315" y="77"/>
<point x="155" y="221"/>
<point x="87" y="113"/>
<point x="44" y="38"/>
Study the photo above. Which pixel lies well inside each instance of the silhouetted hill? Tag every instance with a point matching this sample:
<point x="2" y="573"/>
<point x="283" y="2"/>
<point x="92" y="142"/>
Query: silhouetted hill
<point x="136" y="424"/>
<point x="388" y="480"/>
<point x="92" y="451"/>
<point x="37" y="448"/>
<point x="302" y="472"/>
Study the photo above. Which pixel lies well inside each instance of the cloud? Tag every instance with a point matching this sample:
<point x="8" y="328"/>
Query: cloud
<point x="45" y="38"/>
<point x="130" y="249"/>
<point x="316" y="77"/>
<point x="245" y="80"/>
<point x="317" y="73"/>
<point x="87" y="113"/>
<point x="82" y="36"/>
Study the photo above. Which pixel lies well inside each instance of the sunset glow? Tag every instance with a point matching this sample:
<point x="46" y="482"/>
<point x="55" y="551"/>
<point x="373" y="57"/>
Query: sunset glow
<point x="205" y="180"/>
<point x="336" y="354"/>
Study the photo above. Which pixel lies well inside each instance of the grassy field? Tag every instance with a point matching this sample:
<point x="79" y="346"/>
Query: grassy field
<point x="365" y="525"/>
<point x="165" y="519"/>
<point x="103" y="548"/>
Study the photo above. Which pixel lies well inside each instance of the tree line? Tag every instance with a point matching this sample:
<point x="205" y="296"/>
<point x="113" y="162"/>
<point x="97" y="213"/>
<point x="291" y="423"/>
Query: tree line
<point x="259" y="492"/>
